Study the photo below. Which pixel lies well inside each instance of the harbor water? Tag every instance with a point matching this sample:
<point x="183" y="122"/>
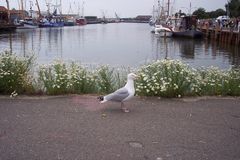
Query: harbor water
<point x="116" y="44"/>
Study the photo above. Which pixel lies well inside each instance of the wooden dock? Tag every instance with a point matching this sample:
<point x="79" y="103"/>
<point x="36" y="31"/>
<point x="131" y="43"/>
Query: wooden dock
<point x="7" y="27"/>
<point x="224" y="35"/>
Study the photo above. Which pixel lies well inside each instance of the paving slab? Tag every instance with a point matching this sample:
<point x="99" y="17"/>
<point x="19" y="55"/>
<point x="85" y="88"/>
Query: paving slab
<point x="77" y="127"/>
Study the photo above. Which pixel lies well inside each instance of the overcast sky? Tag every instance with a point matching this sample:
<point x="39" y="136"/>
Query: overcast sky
<point x="124" y="8"/>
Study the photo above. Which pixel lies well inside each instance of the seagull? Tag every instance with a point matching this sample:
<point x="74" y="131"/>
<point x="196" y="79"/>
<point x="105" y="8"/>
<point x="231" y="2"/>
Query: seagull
<point x="123" y="94"/>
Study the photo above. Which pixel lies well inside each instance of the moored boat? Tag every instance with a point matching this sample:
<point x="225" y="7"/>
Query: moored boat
<point x="81" y="21"/>
<point x="69" y="21"/>
<point x="187" y="27"/>
<point x="188" y="33"/>
<point x="51" y="22"/>
<point x="163" y="31"/>
<point x="159" y="20"/>
<point x="27" y="23"/>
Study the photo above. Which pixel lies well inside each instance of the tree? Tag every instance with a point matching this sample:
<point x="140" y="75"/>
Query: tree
<point x="180" y="14"/>
<point x="200" y="13"/>
<point x="233" y="8"/>
<point x="217" y="13"/>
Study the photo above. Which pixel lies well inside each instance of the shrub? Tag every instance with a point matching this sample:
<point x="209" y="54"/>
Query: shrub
<point x="81" y="80"/>
<point x="109" y="79"/>
<point x="60" y="78"/>
<point x="232" y="83"/>
<point x="219" y="82"/>
<point x="171" y="78"/>
<point x="167" y="78"/>
<point x="15" y="75"/>
<point x="54" y="78"/>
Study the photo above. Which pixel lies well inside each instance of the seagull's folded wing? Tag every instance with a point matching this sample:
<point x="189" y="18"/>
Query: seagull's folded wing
<point x="118" y="95"/>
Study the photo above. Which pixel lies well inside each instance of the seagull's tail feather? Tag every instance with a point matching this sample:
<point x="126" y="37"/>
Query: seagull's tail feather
<point x="101" y="99"/>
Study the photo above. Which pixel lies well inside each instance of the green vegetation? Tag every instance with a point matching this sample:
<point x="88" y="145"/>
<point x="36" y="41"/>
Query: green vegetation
<point x="60" y="78"/>
<point x="165" y="78"/>
<point x="202" y="14"/>
<point x="15" y="76"/>
<point x="232" y="9"/>
<point x="172" y="78"/>
<point x="233" y="6"/>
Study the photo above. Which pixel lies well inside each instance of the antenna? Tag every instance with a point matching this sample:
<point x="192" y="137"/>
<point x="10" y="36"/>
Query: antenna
<point x="70" y="9"/>
<point x="31" y="11"/>
<point x="83" y="8"/>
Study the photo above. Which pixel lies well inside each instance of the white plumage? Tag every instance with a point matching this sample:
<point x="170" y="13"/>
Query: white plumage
<point x="122" y="94"/>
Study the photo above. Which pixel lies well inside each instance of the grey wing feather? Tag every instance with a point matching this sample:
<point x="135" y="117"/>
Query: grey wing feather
<point x="118" y="95"/>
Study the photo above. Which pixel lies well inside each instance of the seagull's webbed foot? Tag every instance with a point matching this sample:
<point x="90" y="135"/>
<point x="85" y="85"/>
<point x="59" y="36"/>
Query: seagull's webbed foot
<point x="124" y="109"/>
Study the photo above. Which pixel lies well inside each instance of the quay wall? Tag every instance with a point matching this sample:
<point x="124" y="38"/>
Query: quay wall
<point x="221" y="35"/>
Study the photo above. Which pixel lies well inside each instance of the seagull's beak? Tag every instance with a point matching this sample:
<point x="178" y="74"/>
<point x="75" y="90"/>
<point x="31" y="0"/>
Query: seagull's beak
<point x="136" y="76"/>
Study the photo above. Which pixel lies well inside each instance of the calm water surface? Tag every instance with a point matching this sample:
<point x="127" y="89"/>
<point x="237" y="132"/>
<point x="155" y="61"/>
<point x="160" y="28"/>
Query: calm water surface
<point x="119" y="44"/>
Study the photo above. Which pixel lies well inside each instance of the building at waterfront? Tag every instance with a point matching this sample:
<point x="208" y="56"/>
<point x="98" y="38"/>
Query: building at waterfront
<point x="3" y="15"/>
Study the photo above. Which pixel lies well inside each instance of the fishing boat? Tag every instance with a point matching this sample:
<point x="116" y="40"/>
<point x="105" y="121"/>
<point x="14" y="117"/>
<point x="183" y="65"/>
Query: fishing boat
<point x="159" y="20"/>
<point x="51" y="22"/>
<point x="81" y="21"/>
<point x="27" y="23"/>
<point x="53" y="19"/>
<point x="69" y="21"/>
<point x="163" y="31"/>
<point x="187" y="27"/>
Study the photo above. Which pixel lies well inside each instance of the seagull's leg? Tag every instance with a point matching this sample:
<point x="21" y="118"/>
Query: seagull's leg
<point x="124" y="109"/>
<point x="122" y="105"/>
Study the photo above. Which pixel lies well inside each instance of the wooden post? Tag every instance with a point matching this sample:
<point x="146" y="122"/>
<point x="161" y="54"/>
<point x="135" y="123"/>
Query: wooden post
<point x="238" y="41"/>
<point x="207" y="31"/>
<point x="225" y="36"/>
<point x="230" y="37"/>
<point x="220" y="36"/>
<point x="222" y="33"/>
<point x="216" y="33"/>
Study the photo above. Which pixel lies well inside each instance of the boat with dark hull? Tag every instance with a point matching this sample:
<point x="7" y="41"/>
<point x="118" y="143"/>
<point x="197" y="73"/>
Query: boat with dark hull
<point x="187" y="27"/>
<point x="188" y="33"/>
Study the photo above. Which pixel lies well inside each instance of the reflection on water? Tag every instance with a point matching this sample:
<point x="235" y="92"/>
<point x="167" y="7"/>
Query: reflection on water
<point x="116" y="44"/>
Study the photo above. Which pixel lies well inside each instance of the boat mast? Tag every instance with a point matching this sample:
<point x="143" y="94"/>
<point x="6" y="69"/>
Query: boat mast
<point x="190" y="8"/>
<point x="22" y="11"/>
<point x="8" y="11"/>
<point x="31" y="11"/>
<point x="83" y="9"/>
<point x="48" y="4"/>
<point x="168" y="5"/>
<point x="60" y="7"/>
<point x="39" y="11"/>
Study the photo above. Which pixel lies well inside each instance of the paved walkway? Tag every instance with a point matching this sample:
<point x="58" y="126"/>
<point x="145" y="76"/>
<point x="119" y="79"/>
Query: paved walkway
<point x="79" y="128"/>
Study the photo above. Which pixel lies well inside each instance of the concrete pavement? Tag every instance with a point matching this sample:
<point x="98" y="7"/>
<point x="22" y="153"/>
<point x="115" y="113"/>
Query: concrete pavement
<point x="79" y="128"/>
